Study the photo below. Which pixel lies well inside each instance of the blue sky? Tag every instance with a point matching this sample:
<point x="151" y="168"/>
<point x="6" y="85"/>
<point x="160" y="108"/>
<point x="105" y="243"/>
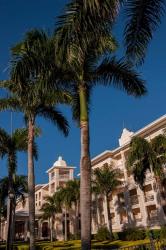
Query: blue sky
<point x="111" y="109"/>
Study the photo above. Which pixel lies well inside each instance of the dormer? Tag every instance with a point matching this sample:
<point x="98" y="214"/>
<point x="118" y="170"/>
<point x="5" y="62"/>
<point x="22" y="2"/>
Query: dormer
<point x="125" y="137"/>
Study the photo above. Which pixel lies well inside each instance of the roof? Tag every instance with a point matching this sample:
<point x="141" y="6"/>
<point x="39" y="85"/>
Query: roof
<point x="60" y="163"/>
<point x="143" y="132"/>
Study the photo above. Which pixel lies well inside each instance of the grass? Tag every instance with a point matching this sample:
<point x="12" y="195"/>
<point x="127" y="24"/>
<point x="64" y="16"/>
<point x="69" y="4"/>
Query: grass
<point x="75" y="245"/>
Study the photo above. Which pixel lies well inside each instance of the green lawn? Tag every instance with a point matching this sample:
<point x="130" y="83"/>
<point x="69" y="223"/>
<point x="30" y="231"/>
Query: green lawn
<point x="75" y="245"/>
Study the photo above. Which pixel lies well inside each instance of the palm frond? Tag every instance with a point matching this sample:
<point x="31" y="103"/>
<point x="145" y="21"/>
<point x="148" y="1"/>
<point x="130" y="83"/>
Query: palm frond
<point x="143" y="17"/>
<point x="106" y="179"/>
<point x="121" y="75"/>
<point x="9" y="103"/>
<point x="53" y="115"/>
<point x="140" y="159"/>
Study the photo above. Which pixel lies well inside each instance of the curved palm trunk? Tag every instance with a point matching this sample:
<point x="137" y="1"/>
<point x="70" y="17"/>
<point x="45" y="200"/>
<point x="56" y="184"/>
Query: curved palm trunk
<point x="31" y="184"/>
<point x="85" y="167"/>
<point x="109" y="218"/>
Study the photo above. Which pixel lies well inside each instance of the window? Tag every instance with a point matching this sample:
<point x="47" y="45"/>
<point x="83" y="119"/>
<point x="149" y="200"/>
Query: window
<point x="52" y="175"/>
<point x="39" y="203"/>
<point x="36" y="197"/>
<point x="52" y="187"/>
<point x="39" y="195"/>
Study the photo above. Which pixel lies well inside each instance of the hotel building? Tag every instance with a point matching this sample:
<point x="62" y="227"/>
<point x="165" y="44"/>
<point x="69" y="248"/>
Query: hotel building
<point x="130" y="206"/>
<point x="58" y="175"/>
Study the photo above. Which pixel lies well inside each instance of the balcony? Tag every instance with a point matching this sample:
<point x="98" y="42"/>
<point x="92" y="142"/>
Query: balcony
<point x="134" y="200"/>
<point x="64" y="177"/>
<point x="149" y="197"/>
<point x="138" y="219"/>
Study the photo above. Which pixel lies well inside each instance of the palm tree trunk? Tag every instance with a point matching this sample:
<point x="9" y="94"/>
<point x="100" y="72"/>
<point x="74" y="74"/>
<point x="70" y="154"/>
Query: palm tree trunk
<point x="10" y="207"/>
<point x="85" y="167"/>
<point x="65" y="224"/>
<point x="9" y="224"/>
<point x="51" y="229"/>
<point x="31" y="184"/>
<point x="109" y="218"/>
<point x="77" y="218"/>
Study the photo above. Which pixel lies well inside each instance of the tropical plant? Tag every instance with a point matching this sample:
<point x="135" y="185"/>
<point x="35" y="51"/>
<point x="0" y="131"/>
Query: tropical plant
<point x="49" y="210"/>
<point x="73" y="187"/>
<point x="28" y="72"/>
<point x="89" y="66"/>
<point x="9" y="146"/>
<point x="147" y="155"/>
<point x="97" y="17"/>
<point x="105" y="182"/>
<point x="64" y="197"/>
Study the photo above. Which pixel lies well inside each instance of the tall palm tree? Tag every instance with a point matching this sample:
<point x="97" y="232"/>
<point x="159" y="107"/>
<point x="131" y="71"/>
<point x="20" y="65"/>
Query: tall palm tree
<point x="9" y="146"/>
<point x="28" y="72"/>
<point x="49" y="210"/>
<point x="147" y="155"/>
<point x="97" y="17"/>
<point x="106" y="180"/>
<point x="90" y="65"/>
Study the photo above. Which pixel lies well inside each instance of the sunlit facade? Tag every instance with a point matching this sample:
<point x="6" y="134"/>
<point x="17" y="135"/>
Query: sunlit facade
<point x="130" y="206"/>
<point x="58" y="175"/>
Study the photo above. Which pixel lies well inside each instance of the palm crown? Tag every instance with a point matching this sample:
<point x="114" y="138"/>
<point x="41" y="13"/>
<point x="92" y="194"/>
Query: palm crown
<point x="145" y="156"/>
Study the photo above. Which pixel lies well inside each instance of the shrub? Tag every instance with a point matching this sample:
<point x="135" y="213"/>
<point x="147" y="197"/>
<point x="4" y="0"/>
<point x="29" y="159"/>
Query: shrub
<point x="132" y="234"/>
<point x="102" y="234"/>
<point x="115" y="236"/>
<point x="154" y="233"/>
<point x="163" y="233"/>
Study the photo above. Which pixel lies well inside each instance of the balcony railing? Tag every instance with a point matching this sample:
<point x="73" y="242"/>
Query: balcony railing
<point x="134" y="200"/>
<point x="64" y="176"/>
<point x="139" y="219"/>
<point x="149" y="197"/>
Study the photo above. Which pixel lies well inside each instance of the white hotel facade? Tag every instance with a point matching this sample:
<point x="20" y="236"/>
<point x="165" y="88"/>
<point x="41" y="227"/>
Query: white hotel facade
<point x="130" y="206"/>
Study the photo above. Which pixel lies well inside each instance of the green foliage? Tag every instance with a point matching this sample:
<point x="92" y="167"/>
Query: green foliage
<point x="141" y="23"/>
<point x="102" y="234"/>
<point x="115" y="236"/>
<point x="154" y="233"/>
<point x="132" y="234"/>
<point x="145" y="156"/>
<point x="163" y="233"/>
<point x="106" y="179"/>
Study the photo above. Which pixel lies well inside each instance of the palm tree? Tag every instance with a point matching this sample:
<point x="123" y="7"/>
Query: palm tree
<point x="73" y="189"/>
<point x="20" y="188"/>
<point x="106" y="180"/>
<point x="28" y="72"/>
<point x="9" y="146"/>
<point x="64" y="196"/>
<point x="49" y="210"/>
<point x="147" y="155"/>
<point x="88" y="66"/>
<point x="97" y="17"/>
